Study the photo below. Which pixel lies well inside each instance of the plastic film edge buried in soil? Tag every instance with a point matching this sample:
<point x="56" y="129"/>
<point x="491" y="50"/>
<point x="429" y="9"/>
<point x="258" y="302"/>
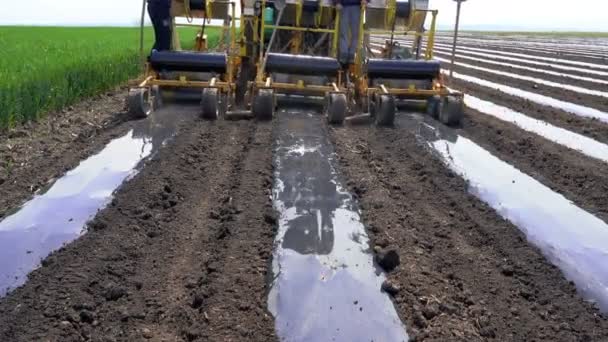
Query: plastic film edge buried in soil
<point x="569" y="107"/>
<point x="60" y="214"/>
<point x="585" y="145"/>
<point x="571" y="238"/>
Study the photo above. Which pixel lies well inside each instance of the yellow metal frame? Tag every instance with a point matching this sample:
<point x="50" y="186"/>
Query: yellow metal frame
<point x="151" y="77"/>
<point x="263" y="81"/>
<point x="412" y="92"/>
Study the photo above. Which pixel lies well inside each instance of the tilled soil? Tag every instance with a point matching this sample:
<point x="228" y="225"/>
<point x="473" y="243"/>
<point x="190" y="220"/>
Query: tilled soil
<point x="590" y="127"/>
<point x="540" y="75"/>
<point x="181" y="253"/>
<point x="33" y="155"/>
<point x="569" y="57"/>
<point x="466" y="274"/>
<point x="546" y="65"/>
<point x="591" y="101"/>
<point x="582" y="179"/>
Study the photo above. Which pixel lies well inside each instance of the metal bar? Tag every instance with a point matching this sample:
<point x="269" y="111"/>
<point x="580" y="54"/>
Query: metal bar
<point x="206" y="25"/>
<point x="188" y="84"/>
<point x="232" y="51"/>
<point x="408" y="32"/>
<point x="360" y="45"/>
<point x="294" y="28"/>
<point x="415" y="92"/>
<point x="293" y="86"/>
<point x="141" y="34"/>
<point x="297" y="42"/>
<point x="260" y="72"/>
<point x="431" y="41"/>
<point x="145" y="82"/>
<point x="270" y="42"/>
<point x="455" y="37"/>
<point x="335" y="37"/>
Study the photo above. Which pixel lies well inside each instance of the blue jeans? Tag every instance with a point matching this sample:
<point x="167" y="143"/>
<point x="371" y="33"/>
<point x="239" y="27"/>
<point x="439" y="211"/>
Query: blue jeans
<point x="349" y="22"/>
<point x="160" y="15"/>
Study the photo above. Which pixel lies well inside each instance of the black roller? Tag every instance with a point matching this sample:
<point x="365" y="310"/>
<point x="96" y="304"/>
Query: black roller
<point x="302" y="64"/>
<point x="188" y="61"/>
<point x="310" y="6"/>
<point x="403" y="9"/>
<point x="198" y="5"/>
<point x="403" y="69"/>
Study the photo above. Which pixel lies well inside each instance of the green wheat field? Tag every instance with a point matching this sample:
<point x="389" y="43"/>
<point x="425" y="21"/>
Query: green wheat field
<point x="46" y="68"/>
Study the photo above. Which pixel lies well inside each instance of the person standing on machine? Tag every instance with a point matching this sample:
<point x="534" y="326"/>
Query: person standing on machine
<point x="160" y="15"/>
<point x="350" y="16"/>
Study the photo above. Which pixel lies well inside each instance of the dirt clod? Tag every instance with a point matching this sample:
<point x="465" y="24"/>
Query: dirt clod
<point x="487" y="332"/>
<point x="197" y="301"/>
<point x="430" y="311"/>
<point x="390" y="287"/>
<point x="388" y="259"/>
<point x="419" y="320"/>
<point x="114" y="292"/>
<point x="87" y="316"/>
<point x="507" y="271"/>
<point x="146" y="333"/>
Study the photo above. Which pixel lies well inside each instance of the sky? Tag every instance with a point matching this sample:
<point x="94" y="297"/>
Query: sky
<point x="476" y="14"/>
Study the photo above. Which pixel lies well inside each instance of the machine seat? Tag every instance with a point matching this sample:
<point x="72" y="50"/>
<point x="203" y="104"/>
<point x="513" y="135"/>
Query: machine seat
<point x="302" y="64"/>
<point x="189" y="61"/>
<point x="403" y="69"/>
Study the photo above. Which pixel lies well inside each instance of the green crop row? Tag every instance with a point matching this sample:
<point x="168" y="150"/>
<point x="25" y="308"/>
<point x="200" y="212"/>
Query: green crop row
<point x="46" y="68"/>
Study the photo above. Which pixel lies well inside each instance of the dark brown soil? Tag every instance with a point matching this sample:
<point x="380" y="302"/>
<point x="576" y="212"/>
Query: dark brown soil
<point x="581" y="179"/>
<point x="35" y="154"/>
<point x="181" y="253"/>
<point x="466" y="274"/>
<point x="597" y="102"/>
<point x="586" y="126"/>
<point x="539" y="75"/>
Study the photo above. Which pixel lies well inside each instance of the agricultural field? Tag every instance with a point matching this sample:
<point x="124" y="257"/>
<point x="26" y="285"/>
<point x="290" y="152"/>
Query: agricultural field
<point x="47" y="68"/>
<point x="174" y="228"/>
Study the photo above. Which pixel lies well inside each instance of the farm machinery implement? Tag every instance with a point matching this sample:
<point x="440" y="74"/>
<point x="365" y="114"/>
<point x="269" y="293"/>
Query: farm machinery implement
<point x="288" y="49"/>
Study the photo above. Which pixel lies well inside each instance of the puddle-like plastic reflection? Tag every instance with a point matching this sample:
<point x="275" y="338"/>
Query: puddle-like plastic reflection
<point x="571" y="238"/>
<point x="581" y="143"/>
<point x="531" y="48"/>
<point x="595" y="46"/>
<point x="490" y="54"/>
<point x="521" y="45"/>
<point x="579" y="90"/>
<point x="530" y="60"/>
<point x="561" y="53"/>
<point x="326" y="286"/>
<point x="58" y="216"/>
<point x="540" y="99"/>
<point x="445" y="52"/>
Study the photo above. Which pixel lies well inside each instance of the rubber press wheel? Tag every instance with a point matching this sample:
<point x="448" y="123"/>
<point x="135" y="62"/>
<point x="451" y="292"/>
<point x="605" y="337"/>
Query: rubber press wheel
<point x="336" y="108"/>
<point x="433" y="106"/>
<point x="452" y="111"/>
<point x="209" y="103"/>
<point x="263" y="105"/>
<point x="157" y="97"/>
<point x="385" y="110"/>
<point x="138" y="103"/>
